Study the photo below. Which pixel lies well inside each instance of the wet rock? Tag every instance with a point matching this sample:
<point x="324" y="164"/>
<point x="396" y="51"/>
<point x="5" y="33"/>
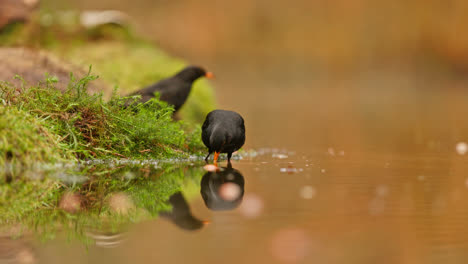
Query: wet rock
<point x="32" y="65"/>
<point x="16" y="11"/>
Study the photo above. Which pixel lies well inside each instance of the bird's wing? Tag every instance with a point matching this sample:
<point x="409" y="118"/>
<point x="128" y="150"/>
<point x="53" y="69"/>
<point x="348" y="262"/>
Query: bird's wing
<point x="176" y="93"/>
<point x="206" y="132"/>
<point x="160" y="87"/>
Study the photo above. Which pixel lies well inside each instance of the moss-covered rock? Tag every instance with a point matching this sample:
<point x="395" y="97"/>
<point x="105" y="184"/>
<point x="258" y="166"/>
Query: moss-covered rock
<point x="120" y="57"/>
<point x="86" y="126"/>
<point x="47" y="82"/>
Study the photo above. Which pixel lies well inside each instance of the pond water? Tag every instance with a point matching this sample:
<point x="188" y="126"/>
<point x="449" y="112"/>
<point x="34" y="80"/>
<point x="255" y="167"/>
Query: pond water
<point x="360" y="165"/>
<point x="272" y="206"/>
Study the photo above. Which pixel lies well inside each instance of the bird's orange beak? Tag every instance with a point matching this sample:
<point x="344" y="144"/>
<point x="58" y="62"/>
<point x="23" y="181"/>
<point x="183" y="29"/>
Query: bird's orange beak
<point x="216" y="156"/>
<point x="206" y="222"/>
<point x="209" y="75"/>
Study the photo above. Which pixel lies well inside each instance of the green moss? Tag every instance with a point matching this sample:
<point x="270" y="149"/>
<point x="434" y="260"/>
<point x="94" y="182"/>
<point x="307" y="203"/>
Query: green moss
<point x="86" y="126"/>
<point x="25" y="138"/>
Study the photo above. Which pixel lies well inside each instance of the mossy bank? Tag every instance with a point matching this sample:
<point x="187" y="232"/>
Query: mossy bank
<point x="84" y="118"/>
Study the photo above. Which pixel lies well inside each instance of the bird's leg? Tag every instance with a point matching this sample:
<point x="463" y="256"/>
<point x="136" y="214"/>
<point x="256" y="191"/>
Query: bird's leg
<point x="216" y="156"/>
<point x="207" y="156"/>
<point x="229" y="157"/>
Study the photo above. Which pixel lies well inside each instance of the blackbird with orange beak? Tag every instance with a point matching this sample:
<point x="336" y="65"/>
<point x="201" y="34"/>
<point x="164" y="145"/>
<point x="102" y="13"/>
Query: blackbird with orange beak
<point x="223" y="132"/>
<point x="174" y="90"/>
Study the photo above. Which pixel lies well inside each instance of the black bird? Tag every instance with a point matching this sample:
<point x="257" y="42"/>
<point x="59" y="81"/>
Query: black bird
<point x="212" y="189"/>
<point x="174" y="90"/>
<point x="181" y="215"/>
<point x="223" y="132"/>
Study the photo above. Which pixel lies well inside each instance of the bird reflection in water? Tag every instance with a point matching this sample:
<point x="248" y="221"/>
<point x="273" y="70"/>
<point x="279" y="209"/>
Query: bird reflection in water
<point x="181" y="214"/>
<point x="221" y="190"/>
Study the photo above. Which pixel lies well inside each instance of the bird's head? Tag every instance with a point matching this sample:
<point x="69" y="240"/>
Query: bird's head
<point x="191" y="73"/>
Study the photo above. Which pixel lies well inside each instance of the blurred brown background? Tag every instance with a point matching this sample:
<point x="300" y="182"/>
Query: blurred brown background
<point x="337" y="35"/>
<point x="357" y="74"/>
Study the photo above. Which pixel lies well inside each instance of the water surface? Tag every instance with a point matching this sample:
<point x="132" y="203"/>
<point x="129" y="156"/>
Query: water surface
<point x="328" y="207"/>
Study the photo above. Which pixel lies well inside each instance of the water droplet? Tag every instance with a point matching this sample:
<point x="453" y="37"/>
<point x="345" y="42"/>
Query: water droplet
<point x="279" y="156"/>
<point x="289" y="170"/>
<point x="461" y="148"/>
<point x="210" y="167"/>
<point x="307" y="192"/>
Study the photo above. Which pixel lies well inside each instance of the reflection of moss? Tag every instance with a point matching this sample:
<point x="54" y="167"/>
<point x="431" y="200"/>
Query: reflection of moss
<point x="36" y="205"/>
<point x="172" y="176"/>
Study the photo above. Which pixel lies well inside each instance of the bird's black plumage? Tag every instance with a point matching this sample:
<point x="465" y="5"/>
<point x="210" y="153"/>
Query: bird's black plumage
<point x="223" y="132"/>
<point x="174" y="90"/>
